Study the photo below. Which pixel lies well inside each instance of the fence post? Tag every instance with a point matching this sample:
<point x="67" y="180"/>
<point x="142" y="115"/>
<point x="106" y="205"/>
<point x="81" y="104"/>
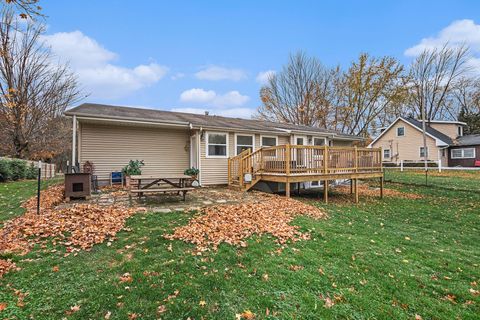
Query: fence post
<point x="401" y="165"/>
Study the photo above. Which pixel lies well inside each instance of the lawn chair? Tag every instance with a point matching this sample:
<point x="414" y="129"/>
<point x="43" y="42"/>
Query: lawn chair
<point x="116" y="178"/>
<point x="477" y="163"/>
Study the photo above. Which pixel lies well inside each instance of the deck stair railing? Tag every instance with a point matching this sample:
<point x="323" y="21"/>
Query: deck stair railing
<point x="294" y="160"/>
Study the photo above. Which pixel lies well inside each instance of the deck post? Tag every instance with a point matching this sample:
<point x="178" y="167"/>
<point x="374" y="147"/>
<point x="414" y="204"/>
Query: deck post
<point x="351" y="186"/>
<point x="356" y="159"/>
<point x="381" y="187"/>
<point x="325" y="159"/>
<point x="287" y="188"/>
<point x="325" y="191"/>
<point x="356" y="190"/>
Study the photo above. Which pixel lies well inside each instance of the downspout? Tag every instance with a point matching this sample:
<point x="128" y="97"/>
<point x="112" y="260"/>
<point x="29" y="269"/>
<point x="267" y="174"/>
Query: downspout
<point x="74" y="141"/>
<point x="199" y="157"/>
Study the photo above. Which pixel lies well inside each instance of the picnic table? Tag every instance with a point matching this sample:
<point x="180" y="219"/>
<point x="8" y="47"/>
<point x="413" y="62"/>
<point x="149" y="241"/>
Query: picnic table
<point x="176" y="183"/>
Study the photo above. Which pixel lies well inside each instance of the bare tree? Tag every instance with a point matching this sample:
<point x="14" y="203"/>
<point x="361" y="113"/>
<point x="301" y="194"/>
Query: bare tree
<point x="371" y="92"/>
<point x="34" y="90"/>
<point x="467" y="95"/>
<point x="435" y="75"/>
<point x="301" y="93"/>
<point x="24" y="8"/>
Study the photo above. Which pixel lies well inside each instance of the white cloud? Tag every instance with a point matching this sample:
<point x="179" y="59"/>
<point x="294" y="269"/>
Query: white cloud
<point x="245" y="113"/>
<point x="263" y="76"/>
<point x="94" y="66"/>
<point x="211" y="98"/>
<point x="197" y="95"/>
<point x="457" y="33"/>
<point x="178" y="75"/>
<point x="215" y="73"/>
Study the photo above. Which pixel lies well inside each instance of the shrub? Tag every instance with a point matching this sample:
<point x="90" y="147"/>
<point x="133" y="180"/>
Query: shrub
<point x="191" y="172"/>
<point x="133" y="168"/>
<point x="5" y="170"/>
<point x="18" y="169"/>
<point x="32" y="172"/>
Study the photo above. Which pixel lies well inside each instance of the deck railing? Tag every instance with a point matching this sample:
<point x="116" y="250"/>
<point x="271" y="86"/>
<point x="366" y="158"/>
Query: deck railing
<point x="304" y="160"/>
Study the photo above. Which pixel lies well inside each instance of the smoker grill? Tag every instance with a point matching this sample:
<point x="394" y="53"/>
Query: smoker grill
<point x="77" y="185"/>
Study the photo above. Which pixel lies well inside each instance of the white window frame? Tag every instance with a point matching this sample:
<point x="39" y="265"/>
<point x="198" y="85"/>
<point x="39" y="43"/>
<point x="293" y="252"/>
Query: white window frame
<point x="389" y="154"/>
<point x="420" y="152"/>
<point x="460" y="131"/>
<point x="261" y="140"/>
<point x="463" y="153"/>
<point x="242" y="145"/>
<point x="207" y="144"/>
<point x="404" y="131"/>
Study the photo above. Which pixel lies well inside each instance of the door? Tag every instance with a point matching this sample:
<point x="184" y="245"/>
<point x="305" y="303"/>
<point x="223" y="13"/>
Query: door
<point x="300" y="153"/>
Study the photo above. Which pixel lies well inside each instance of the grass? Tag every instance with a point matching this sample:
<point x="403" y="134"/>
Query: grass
<point x="381" y="259"/>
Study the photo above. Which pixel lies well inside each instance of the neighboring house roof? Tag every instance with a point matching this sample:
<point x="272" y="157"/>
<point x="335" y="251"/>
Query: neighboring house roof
<point x="468" y="140"/>
<point x="100" y="111"/>
<point x="440" y="138"/>
<point x="445" y="122"/>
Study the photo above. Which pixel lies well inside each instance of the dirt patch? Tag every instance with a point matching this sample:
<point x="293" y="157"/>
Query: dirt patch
<point x="365" y="190"/>
<point x="78" y="227"/>
<point x="232" y="224"/>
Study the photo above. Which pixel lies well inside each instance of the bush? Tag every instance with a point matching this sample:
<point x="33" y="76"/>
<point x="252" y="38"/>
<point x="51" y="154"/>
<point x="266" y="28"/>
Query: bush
<point x="32" y="172"/>
<point x="191" y="172"/>
<point x="18" y="169"/>
<point x="133" y="168"/>
<point x="5" y="170"/>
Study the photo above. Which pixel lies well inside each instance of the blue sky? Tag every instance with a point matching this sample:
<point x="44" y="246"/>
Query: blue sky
<point x="210" y="55"/>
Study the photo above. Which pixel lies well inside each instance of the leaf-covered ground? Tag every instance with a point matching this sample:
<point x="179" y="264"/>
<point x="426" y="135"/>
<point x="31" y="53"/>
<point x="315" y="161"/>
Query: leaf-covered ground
<point x="396" y="258"/>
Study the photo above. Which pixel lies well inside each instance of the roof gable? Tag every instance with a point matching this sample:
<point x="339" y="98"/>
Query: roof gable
<point x="440" y="138"/>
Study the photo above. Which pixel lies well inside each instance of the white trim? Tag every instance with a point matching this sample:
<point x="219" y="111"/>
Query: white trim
<point x="438" y="142"/>
<point x="266" y="136"/>
<point x="206" y="145"/>
<point x="244" y="135"/>
<point x="445" y="121"/>
<point x="404" y="132"/>
<point x="199" y="155"/>
<point x="463" y="153"/>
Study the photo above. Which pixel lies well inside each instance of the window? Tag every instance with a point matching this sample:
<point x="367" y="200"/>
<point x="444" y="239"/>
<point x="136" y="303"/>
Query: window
<point x="400" y="131"/>
<point x="460" y="131"/>
<point x="422" y="152"/>
<point x="386" y="153"/>
<point x="269" y="141"/>
<point x="243" y="142"/>
<point x="465" y="153"/>
<point x="217" y="145"/>
<point x="318" y="141"/>
<point x="443" y="153"/>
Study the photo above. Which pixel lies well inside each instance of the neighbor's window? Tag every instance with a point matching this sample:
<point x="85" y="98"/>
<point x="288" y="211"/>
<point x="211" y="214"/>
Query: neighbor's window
<point x="465" y="153"/>
<point x="422" y="152"/>
<point x="217" y="144"/>
<point x="269" y="141"/>
<point x="400" y="131"/>
<point x="460" y="131"/>
<point x="386" y="153"/>
<point x="243" y="143"/>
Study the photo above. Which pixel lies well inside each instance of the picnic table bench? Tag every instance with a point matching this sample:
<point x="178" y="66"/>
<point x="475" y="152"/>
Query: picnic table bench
<point x="179" y="184"/>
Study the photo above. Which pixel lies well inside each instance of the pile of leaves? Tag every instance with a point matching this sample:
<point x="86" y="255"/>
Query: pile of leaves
<point x="78" y="227"/>
<point x="49" y="198"/>
<point x="365" y="190"/>
<point x="232" y="224"/>
<point x="6" y="266"/>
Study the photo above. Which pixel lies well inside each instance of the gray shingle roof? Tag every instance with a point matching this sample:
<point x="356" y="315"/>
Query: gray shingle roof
<point x="468" y="140"/>
<point x="154" y="115"/>
<point x="437" y="134"/>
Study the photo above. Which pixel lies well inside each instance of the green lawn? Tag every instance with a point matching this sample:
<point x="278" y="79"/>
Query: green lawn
<point x="380" y="259"/>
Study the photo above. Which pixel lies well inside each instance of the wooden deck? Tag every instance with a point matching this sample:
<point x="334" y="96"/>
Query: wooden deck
<point x="297" y="163"/>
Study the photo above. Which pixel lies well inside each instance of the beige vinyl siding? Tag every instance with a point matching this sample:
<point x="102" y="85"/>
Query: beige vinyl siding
<point x="110" y="147"/>
<point x="215" y="170"/>
<point x="408" y="146"/>
<point x="449" y="129"/>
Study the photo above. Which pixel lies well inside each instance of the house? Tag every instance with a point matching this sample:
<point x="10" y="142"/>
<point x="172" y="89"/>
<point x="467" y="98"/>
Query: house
<point x="169" y="142"/>
<point x="402" y="140"/>
<point x="465" y="152"/>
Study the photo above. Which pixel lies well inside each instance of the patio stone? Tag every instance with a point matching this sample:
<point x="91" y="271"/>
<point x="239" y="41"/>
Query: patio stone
<point x="207" y="202"/>
<point x="222" y="201"/>
<point x="162" y="210"/>
<point x="179" y="209"/>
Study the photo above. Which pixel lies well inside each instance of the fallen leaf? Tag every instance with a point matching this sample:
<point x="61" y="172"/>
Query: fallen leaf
<point x="248" y="315"/>
<point x="202" y="303"/>
<point x="107" y="315"/>
<point x="55" y="268"/>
